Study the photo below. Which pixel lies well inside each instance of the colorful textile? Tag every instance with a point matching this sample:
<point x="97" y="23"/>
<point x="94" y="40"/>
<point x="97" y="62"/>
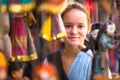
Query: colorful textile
<point x="23" y="48"/>
<point x="20" y="6"/>
<point x="3" y="5"/>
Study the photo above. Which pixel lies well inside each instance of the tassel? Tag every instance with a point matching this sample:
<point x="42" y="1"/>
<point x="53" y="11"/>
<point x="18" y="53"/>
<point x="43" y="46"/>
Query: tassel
<point x="46" y="29"/>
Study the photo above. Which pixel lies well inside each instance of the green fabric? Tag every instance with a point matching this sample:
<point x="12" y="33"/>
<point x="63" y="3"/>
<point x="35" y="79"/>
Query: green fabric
<point x="26" y="1"/>
<point x="4" y="2"/>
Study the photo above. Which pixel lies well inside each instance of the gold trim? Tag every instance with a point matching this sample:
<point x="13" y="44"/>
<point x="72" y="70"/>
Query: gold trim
<point x="45" y="37"/>
<point x="24" y="58"/>
<point x="60" y="35"/>
<point x="3" y="8"/>
<point x="50" y="8"/>
<point x="18" y="8"/>
<point x="28" y="7"/>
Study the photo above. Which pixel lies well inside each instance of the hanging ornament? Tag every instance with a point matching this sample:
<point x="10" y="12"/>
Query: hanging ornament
<point x="46" y="29"/>
<point x="3" y="5"/>
<point x="58" y="27"/>
<point x="21" y="6"/>
<point x="23" y="48"/>
<point x="53" y="27"/>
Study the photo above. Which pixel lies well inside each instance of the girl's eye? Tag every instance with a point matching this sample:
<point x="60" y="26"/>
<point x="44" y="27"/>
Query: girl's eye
<point x="80" y="26"/>
<point x="68" y="26"/>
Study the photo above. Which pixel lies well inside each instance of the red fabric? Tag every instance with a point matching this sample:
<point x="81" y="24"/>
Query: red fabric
<point x="112" y="56"/>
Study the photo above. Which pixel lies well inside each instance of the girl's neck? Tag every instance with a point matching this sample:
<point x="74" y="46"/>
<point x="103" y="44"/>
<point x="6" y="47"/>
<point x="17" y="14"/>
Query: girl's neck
<point x="70" y="51"/>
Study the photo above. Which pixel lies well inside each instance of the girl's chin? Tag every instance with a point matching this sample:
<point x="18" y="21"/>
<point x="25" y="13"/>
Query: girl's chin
<point x="74" y="44"/>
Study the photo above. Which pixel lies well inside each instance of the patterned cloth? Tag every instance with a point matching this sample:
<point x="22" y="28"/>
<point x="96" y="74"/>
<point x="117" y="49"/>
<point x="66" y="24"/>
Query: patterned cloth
<point x="23" y="48"/>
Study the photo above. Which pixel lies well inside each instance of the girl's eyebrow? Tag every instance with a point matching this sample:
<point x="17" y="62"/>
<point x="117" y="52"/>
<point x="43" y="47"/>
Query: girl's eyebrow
<point x="71" y="23"/>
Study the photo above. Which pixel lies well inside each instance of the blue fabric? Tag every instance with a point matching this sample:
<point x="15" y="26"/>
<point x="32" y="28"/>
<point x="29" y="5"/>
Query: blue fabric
<point x="105" y="43"/>
<point x="81" y="67"/>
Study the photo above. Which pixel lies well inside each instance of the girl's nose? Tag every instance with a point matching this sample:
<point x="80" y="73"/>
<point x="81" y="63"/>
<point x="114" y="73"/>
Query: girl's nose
<point x="74" y="30"/>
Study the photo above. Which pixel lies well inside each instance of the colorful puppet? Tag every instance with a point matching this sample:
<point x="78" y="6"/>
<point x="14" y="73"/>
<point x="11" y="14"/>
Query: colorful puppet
<point x="104" y="43"/>
<point x="93" y="43"/>
<point x="23" y="48"/>
<point x="53" y="27"/>
<point x="3" y="66"/>
<point x="93" y="37"/>
<point x="45" y="71"/>
<point x="16" y="71"/>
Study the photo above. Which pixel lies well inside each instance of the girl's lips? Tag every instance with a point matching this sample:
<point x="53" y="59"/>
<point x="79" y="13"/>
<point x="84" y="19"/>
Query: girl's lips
<point x="73" y="38"/>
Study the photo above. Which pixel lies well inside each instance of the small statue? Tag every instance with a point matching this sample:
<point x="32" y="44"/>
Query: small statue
<point x="104" y="43"/>
<point x="93" y="37"/>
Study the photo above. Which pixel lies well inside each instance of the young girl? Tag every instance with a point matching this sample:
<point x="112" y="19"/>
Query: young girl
<point x="75" y="60"/>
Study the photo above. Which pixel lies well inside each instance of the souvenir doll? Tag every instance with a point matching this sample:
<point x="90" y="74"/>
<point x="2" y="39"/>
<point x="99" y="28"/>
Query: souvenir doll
<point x="3" y="66"/>
<point x="15" y="71"/>
<point x="23" y="48"/>
<point x="93" y="37"/>
<point x="45" y="71"/>
<point x="104" y="43"/>
<point x="52" y="27"/>
<point x="93" y="41"/>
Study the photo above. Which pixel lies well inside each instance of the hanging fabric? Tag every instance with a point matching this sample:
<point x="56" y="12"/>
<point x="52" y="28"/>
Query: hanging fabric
<point x="58" y="27"/>
<point x="52" y="27"/>
<point x="23" y="48"/>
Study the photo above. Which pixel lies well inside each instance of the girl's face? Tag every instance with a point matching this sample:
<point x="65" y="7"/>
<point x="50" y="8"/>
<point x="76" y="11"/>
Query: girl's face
<point x="111" y="29"/>
<point x="76" y="25"/>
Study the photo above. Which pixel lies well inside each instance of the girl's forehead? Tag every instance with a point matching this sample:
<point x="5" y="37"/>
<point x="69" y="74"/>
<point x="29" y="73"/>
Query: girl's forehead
<point x="75" y="15"/>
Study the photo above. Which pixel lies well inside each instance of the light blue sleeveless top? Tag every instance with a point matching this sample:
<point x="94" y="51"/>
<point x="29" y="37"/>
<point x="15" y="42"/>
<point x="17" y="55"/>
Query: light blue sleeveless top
<point x="81" y="67"/>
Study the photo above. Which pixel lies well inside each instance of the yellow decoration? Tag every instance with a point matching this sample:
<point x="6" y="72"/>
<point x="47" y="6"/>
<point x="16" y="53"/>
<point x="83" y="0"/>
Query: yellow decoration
<point x="15" y="8"/>
<point x="50" y="8"/>
<point x="19" y="8"/>
<point x="3" y="8"/>
<point x="3" y="61"/>
<point x="46" y="29"/>
<point x="24" y="58"/>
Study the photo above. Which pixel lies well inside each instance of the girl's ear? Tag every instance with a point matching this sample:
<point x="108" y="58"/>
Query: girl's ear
<point x="89" y="28"/>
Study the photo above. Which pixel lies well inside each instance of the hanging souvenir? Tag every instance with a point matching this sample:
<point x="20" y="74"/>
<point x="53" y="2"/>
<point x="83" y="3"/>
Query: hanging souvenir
<point x="52" y="27"/>
<point x="20" y="6"/>
<point x="3" y="5"/>
<point x="23" y="48"/>
<point x="58" y="27"/>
